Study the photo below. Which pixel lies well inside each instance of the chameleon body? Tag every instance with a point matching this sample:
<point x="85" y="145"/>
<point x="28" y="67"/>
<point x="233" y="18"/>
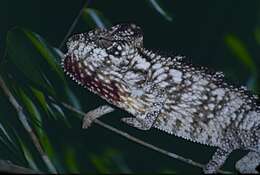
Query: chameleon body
<point x="167" y="93"/>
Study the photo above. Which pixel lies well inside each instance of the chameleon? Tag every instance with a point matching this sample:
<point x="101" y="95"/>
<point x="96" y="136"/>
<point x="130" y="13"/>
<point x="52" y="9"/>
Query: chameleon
<point x="167" y="93"/>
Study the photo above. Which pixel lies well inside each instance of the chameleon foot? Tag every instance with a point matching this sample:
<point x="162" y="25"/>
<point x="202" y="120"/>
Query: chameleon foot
<point x="137" y="123"/>
<point x="217" y="161"/>
<point x="248" y="164"/>
<point x="94" y="114"/>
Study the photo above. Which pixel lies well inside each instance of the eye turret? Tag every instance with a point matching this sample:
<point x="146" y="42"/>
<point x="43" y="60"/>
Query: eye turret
<point x="104" y="42"/>
<point x="131" y="33"/>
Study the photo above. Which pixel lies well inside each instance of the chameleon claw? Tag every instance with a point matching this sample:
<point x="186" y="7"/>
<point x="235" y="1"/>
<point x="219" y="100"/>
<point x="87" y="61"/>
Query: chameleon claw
<point x="134" y="122"/>
<point x="87" y="122"/>
<point x="90" y="117"/>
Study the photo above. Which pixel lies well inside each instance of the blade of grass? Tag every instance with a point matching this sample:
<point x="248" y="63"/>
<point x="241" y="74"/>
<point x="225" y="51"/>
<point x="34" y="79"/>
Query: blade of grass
<point x="118" y="161"/>
<point x="22" y="117"/>
<point x="10" y="168"/>
<point x="6" y="134"/>
<point x="257" y="35"/>
<point x="155" y="4"/>
<point x="71" y="161"/>
<point x="99" y="164"/>
<point x="239" y="49"/>
<point x="72" y="26"/>
<point x="41" y="98"/>
<point x="40" y="45"/>
<point x="35" y="114"/>
<point x="32" y="110"/>
<point x="94" y="15"/>
<point x="12" y="146"/>
<point x="27" y="155"/>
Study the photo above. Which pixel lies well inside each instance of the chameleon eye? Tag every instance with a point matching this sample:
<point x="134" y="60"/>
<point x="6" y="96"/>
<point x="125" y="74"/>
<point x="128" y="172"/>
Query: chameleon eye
<point x="104" y="43"/>
<point x="108" y="62"/>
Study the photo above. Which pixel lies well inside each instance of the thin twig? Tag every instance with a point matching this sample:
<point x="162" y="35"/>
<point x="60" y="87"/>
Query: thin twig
<point x="8" y="167"/>
<point x="73" y="24"/>
<point x="136" y="140"/>
<point x="26" y="125"/>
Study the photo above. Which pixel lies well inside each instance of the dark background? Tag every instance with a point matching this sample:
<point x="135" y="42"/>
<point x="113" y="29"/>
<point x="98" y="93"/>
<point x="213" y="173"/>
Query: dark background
<point x="198" y="30"/>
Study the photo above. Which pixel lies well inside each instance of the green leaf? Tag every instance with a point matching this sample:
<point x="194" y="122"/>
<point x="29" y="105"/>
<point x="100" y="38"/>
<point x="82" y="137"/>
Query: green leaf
<point x="23" y="55"/>
<point x="73" y="99"/>
<point x="31" y="59"/>
<point x="55" y="111"/>
<point x="5" y="133"/>
<point x="46" y="144"/>
<point x="31" y="108"/>
<point x="99" y="164"/>
<point x="117" y="160"/>
<point x="167" y="171"/>
<point x="158" y="7"/>
<point x="110" y="161"/>
<point x="35" y="114"/>
<point x="41" y="98"/>
<point x="5" y="139"/>
<point x="71" y="162"/>
<point x="252" y="83"/>
<point x="46" y="52"/>
<point x="58" y="112"/>
<point x="239" y="49"/>
<point x="257" y="35"/>
<point x="28" y="156"/>
<point x="94" y="18"/>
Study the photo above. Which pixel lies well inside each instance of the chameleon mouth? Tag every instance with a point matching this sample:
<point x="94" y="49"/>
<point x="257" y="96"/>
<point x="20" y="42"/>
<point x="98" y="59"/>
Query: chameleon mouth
<point x="85" y="75"/>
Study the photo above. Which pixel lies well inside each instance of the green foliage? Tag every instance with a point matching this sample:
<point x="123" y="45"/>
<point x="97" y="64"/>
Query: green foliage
<point x="35" y="62"/>
<point x="39" y="85"/>
<point x="71" y="161"/>
<point x="239" y="49"/>
<point x="93" y="17"/>
<point x="257" y="35"/>
<point x="28" y="156"/>
<point x="243" y="55"/>
<point x="6" y="139"/>
<point x="110" y="162"/>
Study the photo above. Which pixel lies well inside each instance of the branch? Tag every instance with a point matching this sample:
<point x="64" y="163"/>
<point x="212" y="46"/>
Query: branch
<point x="8" y="167"/>
<point x="136" y="140"/>
<point x="26" y="125"/>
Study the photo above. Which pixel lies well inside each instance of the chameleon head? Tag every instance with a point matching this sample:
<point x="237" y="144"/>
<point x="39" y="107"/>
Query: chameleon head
<point x="112" y="46"/>
<point x="93" y="57"/>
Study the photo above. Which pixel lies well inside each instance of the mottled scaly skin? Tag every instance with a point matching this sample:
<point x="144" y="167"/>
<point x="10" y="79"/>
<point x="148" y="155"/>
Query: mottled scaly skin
<point x="167" y="93"/>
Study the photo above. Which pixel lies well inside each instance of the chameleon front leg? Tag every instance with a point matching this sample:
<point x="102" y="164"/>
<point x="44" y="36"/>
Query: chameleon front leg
<point x="145" y="121"/>
<point x="94" y="114"/>
<point x="218" y="159"/>
<point x="248" y="164"/>
<point x="142" y="123"/>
